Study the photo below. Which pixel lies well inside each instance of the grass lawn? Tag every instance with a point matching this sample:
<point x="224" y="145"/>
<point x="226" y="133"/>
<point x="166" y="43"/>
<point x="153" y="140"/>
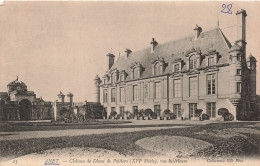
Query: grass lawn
<point x="237" y="146"/>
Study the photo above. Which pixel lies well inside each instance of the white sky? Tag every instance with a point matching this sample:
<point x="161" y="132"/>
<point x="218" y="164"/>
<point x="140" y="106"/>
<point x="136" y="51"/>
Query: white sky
<point x="55" y="46"/>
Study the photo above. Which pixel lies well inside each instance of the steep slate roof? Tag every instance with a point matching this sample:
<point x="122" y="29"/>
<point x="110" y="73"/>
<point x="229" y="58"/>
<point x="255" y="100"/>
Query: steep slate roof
<point x="212" y="39"/>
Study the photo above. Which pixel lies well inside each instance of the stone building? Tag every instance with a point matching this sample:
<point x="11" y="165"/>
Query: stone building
<point x="203" y="71"/>
<point x="20" y="104"/>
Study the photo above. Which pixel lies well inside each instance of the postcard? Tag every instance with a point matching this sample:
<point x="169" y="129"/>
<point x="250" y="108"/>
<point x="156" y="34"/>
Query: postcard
<point x="124" y="83"/>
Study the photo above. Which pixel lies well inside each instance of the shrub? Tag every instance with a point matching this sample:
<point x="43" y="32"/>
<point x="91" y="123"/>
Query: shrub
<point x="127" y="113"/>
<point x="131" y="116"/>
<point x="153" y="115"/>
<point x="225" y="114"/>
<point x="136" y="112"/>
<point x="228" y="117"/>
<point x="166" y="112"/>
<point x="141" y="113"/>
<point x="112" y="114"/>
<point x="118" y="116"/>
<point x="198" y="112"/>
<point x="148" y="112"/>
<point x="90" y="114"/>
<point x="172" y="115"/>
<point x="104" y="113"/>
<point x="65" y="114"/>
<point x="223" y="111"/>
<point x="205" y="117"/>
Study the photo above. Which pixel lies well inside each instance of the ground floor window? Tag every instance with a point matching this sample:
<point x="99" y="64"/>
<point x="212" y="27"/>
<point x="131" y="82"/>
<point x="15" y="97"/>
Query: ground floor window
<point x="135" y="108"/>
<point x="113" y="109"/>
<point x="122" y="111"/>
<point x="177" y="110"/>
<point x="211" y="110"/>
<point x="157" y="110"/>
<point x="193" y="107"/>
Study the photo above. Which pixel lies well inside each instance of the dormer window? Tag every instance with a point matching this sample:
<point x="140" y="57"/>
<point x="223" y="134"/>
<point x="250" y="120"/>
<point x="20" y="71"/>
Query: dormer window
<point x="193" y="58"/>
<point x="192" y="62"/>
<point x="158" y="66"/>
<point x="114" y="76"/>
<point x="211" y="58"/>
<point x="176" y="68"/>
<point x="157" y="69"/>
<point x="211" y="61"/>
<point x="136" y="70"/>
<point x="105" y="79"/>
<point x="177" y="65"/>
<point x="122" y="76"/>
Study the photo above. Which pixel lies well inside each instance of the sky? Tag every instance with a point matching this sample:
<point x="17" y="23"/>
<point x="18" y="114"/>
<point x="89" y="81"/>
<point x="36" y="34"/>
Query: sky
<point x="62" y="46"/>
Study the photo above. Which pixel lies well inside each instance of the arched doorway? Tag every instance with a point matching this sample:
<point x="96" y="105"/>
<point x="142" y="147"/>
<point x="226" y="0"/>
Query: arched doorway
<point x="25" y="109"/>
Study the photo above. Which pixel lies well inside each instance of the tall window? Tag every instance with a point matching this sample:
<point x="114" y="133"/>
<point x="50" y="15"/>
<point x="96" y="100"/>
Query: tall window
<point x="113" y="95"/>
<point x="105" y="95"/>
<point x="157" y="110"/>
<point x="177" y="110"/>
<point x="176" y="68"/>
<point x="157" y="68"/>
<point x="211" y="79"/>
<point x="239" y="57"/>
<point x="177" y="88"/>
<point x="193" y="107"/>
<point x="122" y="94"/>
<point x="135" y="93"/>
<point x="211" y="110"/>
<point x="211" y="61"/>
<point x="238" y="71"/>
<point x="158" y="90"/>
<point x="105" y="81"/>
<point x="193" y="86"/>
<point x="122" y="111"/>
<point x="192" y="62"/>
<point x="135" y="76"/>
<point x="239" y="87"/>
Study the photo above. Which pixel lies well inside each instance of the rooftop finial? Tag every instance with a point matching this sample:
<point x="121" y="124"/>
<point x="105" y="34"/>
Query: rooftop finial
<point x="17" y="77"/>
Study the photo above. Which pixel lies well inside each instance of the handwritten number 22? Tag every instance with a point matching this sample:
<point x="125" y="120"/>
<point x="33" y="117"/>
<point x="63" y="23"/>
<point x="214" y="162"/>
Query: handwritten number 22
<point x="228" y="7"/>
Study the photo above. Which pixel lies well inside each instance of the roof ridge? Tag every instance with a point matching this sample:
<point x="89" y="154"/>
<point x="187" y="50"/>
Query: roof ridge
<point x="175" y="40"/>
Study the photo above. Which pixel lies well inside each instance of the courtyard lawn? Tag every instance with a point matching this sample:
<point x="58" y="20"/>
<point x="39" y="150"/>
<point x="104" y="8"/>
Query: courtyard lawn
<point x="241" y="143"/>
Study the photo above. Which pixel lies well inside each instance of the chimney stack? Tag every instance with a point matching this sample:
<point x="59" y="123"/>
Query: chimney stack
<point x="241" y="28"/>
<point x="153" y="45"/>
<point x="128" y="52"/>
<point x="111" y="59"/>
<point x="197" y="31"/>
<point x="70" y="96"/>
<point x="61" y="97"/>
